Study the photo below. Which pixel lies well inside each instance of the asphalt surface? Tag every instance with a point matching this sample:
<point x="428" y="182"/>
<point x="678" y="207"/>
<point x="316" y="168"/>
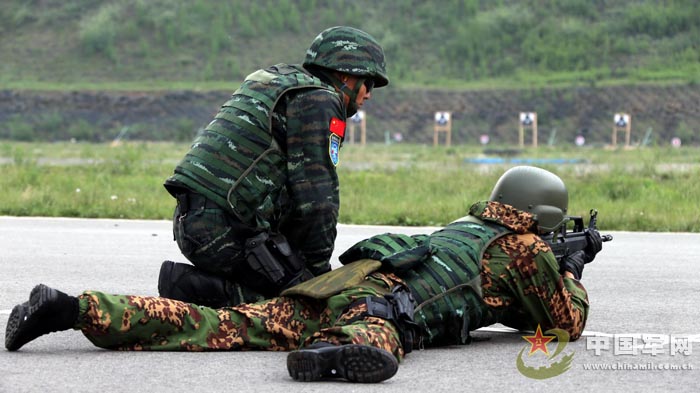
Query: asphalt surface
<point x="644" y="290"/>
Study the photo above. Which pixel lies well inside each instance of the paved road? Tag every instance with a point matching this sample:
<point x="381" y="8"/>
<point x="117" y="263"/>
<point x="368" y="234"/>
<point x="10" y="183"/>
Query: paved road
<point x="643" y="283"/>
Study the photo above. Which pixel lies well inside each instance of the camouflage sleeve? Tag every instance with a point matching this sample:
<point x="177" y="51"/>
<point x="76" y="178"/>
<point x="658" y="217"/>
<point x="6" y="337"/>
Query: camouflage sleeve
<point x="522" y="284"/>
<point x="313" y="181"/>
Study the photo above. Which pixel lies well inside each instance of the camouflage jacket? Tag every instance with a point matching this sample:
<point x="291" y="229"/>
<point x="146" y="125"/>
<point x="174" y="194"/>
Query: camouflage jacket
<point x="484" y="268"/>
<point x="268" y="157"/>
<point x="520" y="278"/>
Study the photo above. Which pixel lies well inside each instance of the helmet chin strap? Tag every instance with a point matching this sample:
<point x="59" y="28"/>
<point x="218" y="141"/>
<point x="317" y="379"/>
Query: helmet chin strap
<point x="351" y="93"/>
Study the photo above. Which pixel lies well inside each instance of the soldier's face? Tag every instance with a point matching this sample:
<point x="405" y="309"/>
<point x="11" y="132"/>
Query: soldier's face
<point x="365" y="92"/>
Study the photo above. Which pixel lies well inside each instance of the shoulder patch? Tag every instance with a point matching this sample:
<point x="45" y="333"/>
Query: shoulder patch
<point x="334" y="148"/>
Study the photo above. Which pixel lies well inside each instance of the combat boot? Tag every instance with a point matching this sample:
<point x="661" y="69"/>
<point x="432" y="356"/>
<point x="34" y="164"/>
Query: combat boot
<point x="47" y="310"/>
<point x="356" y="363"/>
<point x="186" y="283"/>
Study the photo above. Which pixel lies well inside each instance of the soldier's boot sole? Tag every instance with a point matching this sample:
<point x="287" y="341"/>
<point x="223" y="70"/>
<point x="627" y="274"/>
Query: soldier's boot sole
<point x="47" y="310"/>
<point x="355" y="363"/>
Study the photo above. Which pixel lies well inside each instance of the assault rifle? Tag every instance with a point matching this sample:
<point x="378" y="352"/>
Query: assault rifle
<point x="564" y="243"/>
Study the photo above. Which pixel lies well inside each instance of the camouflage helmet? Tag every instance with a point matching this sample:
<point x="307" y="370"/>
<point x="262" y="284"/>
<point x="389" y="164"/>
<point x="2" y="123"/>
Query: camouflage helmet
<point x="348" y="50"/>
<point x="536" y="191"/>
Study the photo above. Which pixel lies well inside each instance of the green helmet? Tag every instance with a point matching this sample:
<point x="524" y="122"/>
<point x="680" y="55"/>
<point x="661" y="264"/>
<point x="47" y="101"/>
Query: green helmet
<point x="536" y="191"/>
<point x="348" y="50"/>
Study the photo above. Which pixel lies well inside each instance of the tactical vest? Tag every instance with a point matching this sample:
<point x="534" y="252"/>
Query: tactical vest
<point x="236" y="161"/>
<point x="443" y="273"/>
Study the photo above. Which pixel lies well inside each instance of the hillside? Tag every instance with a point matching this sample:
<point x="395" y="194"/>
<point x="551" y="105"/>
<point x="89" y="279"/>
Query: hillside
<point x="575" y="62"/>
<point x="428" y="43"/>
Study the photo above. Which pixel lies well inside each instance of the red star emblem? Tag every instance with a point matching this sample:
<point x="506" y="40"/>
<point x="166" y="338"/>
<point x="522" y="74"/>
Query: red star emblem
<point x="538" y="342"/>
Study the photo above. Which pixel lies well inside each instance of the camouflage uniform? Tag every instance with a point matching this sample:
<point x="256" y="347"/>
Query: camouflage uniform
<point x="262" y="165"/>
<point x="485" y="268"/>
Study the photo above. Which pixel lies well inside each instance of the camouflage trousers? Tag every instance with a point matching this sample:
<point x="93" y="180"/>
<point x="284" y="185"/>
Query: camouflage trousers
<point x="125" y="322"/>
<point x="208" y="236"/>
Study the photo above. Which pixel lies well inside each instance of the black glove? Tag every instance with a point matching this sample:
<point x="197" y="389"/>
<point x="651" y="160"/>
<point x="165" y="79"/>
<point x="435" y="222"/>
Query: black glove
<point x="594" y="243"/>
<point x="573" y="263"/>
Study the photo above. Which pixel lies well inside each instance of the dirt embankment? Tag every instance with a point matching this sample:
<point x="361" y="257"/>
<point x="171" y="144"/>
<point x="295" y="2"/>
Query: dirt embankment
<point x="669" y="111"/>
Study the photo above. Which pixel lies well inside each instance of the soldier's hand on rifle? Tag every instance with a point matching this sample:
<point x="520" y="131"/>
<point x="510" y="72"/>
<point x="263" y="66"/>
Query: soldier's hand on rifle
<point x="594" y="243"/>
<point x="573" y="264"/>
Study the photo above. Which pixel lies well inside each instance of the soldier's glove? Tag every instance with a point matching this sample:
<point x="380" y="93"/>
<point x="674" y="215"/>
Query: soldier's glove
<point x="594" y="243"/>
<point x="573" y="263"/>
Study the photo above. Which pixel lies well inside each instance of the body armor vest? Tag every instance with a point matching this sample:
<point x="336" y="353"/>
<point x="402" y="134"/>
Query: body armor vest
<point x="236" y="161"/>
<point x="443" y="273"/>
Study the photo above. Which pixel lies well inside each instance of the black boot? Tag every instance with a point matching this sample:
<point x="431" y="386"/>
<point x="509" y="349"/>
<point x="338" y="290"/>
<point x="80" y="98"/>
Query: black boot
<point x="186" y="283"/>
<point x="47" y="310"/>
<point x="356" y="363"/>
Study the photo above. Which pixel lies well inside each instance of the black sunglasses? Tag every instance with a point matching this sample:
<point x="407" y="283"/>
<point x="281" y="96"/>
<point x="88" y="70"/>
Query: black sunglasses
<point x="369" y="85"/>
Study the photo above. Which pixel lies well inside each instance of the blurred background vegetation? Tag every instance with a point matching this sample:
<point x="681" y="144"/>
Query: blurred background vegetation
<point x="95" y="70"/>
<point x="449" y="43"/>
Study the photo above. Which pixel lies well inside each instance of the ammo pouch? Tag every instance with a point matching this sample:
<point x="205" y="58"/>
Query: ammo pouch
<point x="272" y="257"/>
<point x="396" y="307"/>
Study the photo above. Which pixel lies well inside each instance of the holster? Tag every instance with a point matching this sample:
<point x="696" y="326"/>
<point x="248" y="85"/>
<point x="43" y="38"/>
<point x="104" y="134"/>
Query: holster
<point x="398" y="308"/>
<point x="271" y="256"/>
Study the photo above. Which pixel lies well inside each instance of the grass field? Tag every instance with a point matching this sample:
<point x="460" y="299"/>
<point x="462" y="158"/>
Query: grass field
<point x="649" y="189"/>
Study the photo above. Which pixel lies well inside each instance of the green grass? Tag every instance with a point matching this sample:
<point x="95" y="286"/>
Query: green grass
<point x="87" y="180"/>
<point x="650" y="189"/>
<point x="522" y="80"/>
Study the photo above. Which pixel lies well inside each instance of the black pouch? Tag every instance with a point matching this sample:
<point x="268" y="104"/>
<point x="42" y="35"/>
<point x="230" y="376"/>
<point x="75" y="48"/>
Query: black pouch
<point x="397" y="307"/>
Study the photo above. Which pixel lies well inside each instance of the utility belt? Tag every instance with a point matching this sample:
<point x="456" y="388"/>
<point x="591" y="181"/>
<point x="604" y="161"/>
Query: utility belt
<point x="271" y="256"/>
<point x="397" y="307"/>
